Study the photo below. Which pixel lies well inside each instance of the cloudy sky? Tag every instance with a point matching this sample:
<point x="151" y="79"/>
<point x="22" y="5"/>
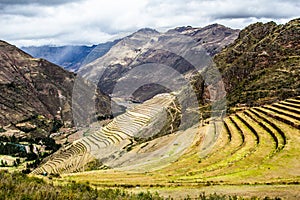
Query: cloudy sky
<point x="59" y="22"/>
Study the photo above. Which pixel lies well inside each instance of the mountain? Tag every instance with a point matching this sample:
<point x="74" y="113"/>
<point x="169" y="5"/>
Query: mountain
<point x="36" y="95"/>
<point x="263" y="64"/>
<point x="213" y="37"/>
<point x="148" y="46"/>
<point x="69" y="57"/>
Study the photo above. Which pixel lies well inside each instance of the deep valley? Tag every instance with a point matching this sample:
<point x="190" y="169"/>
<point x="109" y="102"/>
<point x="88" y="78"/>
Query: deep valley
<point x="183" y="112"/>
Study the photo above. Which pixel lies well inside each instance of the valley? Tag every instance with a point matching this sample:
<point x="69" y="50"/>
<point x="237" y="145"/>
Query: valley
<point x="181" y="112"/>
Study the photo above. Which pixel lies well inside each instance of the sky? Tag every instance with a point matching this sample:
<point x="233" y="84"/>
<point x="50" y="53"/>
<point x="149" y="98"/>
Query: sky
<point x="87" y="22"/>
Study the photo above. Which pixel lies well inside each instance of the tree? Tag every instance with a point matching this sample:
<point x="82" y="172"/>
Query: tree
<point x="3" y="163"/>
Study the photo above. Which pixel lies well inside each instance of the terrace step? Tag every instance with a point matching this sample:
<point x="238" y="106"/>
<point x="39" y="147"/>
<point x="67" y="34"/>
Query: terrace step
<point x="293" y="105"/>
<point x="286" y="107"/>
<point x="279" y="115"/>
<point x="278" y="133"/>
<point x="118" y="132"/>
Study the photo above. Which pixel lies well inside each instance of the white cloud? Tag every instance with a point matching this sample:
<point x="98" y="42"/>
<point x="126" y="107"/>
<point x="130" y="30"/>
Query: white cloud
<point x="95" y="21"/>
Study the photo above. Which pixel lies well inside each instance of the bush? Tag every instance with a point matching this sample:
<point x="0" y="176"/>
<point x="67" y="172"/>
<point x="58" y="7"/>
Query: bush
<point x="20" y="186"/>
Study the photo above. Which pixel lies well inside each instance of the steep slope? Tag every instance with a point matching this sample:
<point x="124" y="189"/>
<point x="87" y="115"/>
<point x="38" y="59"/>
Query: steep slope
<point x="69" y="57"/>
<point x="149" y="46"/>
<point x="263" y="64"/>
<point x="35" y="94"/>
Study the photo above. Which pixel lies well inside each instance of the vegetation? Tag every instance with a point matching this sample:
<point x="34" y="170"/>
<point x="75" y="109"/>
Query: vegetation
<point x="12" y="149"/>
<point x="28" y="150"/>
<point x="262" y="65"/>
<point x="2" y="130"/>
<point x="17" y="186"/>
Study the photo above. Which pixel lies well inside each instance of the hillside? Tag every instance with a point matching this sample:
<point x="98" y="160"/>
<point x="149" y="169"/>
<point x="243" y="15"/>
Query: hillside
<point x="263" y="64"/>
<point x="35" y="95"/>
<point x="107" y="144"/>
<point x="20" y="187"/>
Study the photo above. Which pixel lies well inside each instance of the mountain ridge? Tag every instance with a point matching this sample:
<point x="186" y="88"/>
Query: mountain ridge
<point x="139" y="48"/>
<point x="70" y="57"/>
<point x="36" y="95"/>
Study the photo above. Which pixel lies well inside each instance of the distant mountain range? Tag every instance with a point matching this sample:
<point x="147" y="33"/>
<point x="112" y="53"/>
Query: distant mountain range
<point x="213" y="38"/>
<point x="69" y="57"/>
<point x="150" y="46"/>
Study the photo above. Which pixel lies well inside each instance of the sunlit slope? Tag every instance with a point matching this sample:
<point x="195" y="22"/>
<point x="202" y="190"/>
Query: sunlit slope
<point x="257" y="145"/>
<point x="117" y="138"/>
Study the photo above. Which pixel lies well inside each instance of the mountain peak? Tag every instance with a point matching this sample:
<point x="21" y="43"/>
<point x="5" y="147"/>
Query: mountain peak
<point x="147" y="31"/>
<point x="183" y="28"/>
<point x="215" y="25"/>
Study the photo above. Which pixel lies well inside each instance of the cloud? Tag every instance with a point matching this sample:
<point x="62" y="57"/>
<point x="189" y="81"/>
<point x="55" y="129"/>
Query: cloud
<point x="257" y="9"/>
<point x="38" y="22"/>
<point x="40" y="2"/>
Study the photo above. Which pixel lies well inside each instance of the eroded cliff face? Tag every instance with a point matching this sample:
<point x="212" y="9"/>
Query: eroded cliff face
<point x="36" y="95"/>
<point x="263" y="64"/>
